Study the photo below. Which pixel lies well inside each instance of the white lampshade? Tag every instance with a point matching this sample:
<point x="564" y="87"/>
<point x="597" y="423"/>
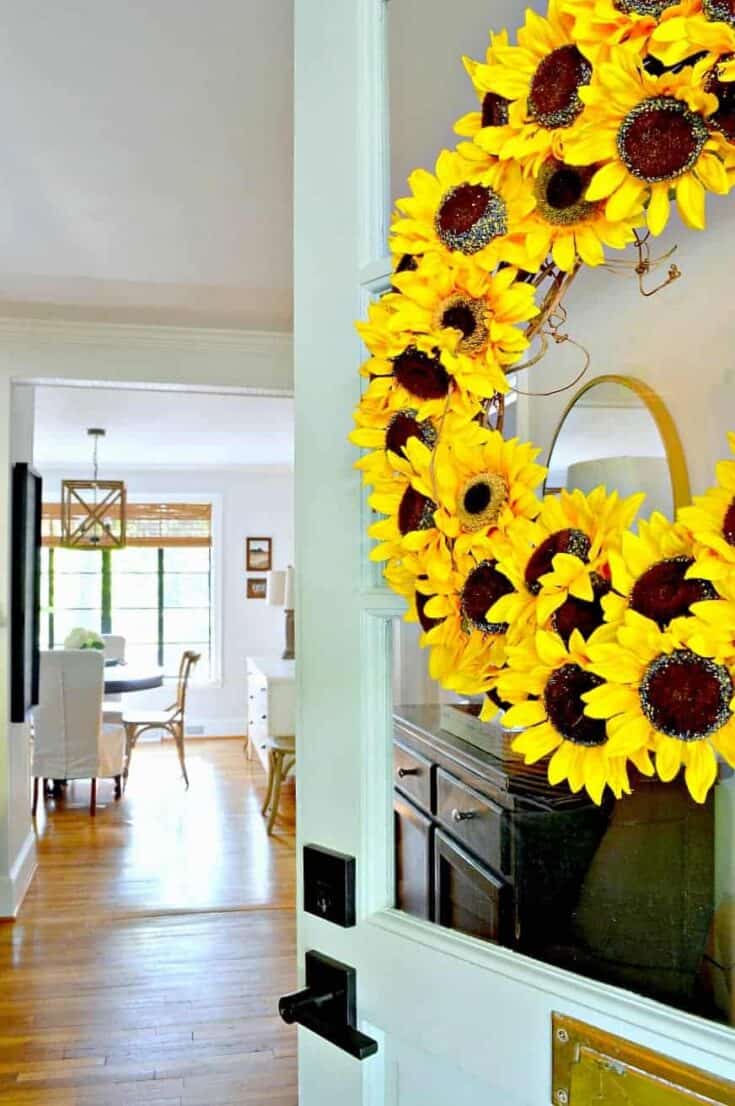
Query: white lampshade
<point x="627" y="475"/>
<point x="290" y="596"/>
<point x="275" y="588"/>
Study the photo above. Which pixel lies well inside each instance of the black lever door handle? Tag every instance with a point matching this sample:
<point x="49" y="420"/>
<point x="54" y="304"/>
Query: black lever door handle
<point x="327" y="1006"/>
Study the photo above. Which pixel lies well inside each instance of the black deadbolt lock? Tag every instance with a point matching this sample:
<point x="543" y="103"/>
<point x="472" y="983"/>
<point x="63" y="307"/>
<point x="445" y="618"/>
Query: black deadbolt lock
<point x="327" y="1006"/>
<point x="329" y="885"/>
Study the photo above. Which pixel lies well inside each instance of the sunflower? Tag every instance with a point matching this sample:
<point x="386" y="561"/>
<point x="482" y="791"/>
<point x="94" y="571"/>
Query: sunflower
<point x="558" y="565"/>
<point x="493" y="107"/>
<point x="664" y="696"/>
<point x="651" y="574"/>
<point x="409" y="527"/>
<point x="719" y="80"/>
<point x="565" y="224"/>
<point x="481" y="482"/>
<point x="711" y="629"/>
<point x="693" y="27"/>
<point x="467" y="650"/>
<point x="711" y="520"/>
<point x="541" y="77"/>
<point x="546" y="681"/>
<point x="650" y="137"/>
<point x="466" y="207"/>
<point x="473" y="317"/>
<point x="600" y="24"/>
<point x="383" y="429"/>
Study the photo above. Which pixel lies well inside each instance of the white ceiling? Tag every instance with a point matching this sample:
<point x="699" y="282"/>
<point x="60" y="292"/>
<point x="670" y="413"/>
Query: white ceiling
<point x="146" y="165"/>
<point x="150" y="429"/>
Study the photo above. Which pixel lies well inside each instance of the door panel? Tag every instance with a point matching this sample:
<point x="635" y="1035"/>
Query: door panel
<point x="459" y="1020"/>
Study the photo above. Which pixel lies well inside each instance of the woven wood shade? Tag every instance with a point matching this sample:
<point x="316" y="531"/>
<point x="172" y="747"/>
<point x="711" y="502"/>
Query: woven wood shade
<point x="147" y="524"/>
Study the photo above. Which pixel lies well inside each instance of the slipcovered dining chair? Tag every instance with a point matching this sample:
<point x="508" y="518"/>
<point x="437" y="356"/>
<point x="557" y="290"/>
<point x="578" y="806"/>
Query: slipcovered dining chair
<point x="171" y="720"/>
<point x="70" y="741"/>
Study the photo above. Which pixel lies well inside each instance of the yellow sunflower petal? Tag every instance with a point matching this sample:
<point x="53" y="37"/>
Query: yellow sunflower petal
<point x="606" y="180"/>
<point x="625" y="200"/>
<point x="690" y="201"/>
<point x="701" y="769"/>
<point x="668" y="758"/>
<point x="658" y="209"/>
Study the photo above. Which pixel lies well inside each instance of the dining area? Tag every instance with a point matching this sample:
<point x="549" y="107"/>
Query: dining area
<point x="86" y="726"/>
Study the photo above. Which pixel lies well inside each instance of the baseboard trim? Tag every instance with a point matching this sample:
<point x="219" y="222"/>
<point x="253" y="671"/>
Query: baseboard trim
<point x="14" y="886"/>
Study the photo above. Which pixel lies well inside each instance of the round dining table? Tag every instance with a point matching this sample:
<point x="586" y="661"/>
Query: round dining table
<point x="120" y="678"/>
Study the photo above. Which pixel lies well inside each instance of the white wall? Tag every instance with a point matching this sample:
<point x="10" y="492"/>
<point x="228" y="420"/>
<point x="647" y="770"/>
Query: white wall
<point x="681" y="341"/>
<point x="247" y="502"/>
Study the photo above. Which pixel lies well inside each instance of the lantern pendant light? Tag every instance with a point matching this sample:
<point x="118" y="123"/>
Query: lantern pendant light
<point x="93" y="511"/>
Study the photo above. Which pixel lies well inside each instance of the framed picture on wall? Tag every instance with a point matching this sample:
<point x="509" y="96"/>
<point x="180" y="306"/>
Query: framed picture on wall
<point x="26" y="591"/>
<point x="258" y="554"/>
<point x="256" y="588"/>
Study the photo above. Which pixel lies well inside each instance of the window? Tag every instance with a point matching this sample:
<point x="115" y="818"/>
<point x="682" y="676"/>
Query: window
<point x="157" y="592"/>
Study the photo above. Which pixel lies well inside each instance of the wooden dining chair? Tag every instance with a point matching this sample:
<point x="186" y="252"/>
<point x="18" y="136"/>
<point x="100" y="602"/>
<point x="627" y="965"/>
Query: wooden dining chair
<point x="172" y="719"/>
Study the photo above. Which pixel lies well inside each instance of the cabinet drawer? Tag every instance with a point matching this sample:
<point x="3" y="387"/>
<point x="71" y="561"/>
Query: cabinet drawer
<point x="468" y="896"/>
<point x="473" y="819"/>
<point x="412" y="774"/>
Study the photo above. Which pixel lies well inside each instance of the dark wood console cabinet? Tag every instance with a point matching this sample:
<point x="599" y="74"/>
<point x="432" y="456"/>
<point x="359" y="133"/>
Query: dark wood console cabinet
<point x="482" y="845"/>
<point x="622" y="893"/>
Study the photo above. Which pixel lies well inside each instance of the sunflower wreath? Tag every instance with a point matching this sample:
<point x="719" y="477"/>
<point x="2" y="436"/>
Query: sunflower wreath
<point x="606" y="647"/>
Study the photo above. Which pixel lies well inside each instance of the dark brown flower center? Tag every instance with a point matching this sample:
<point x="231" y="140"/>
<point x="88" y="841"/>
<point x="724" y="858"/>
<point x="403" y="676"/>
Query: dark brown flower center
<point x="494" y="697"/>
<point x="553" y="100"/>
<point x="404" y="426"/>
<point x="660" y="139"/>
<point x="421" y="374"/>
<point x="407" y="264"/>
<point x="565" y="708"/>
<point x="469" y="217"/>
<point x="494" y="110"/>
<point x="723" y="120"/>
<point x="728" y="524"/>
<point x="686" y="696"/>
<point x="481" y="500"/>
<point x="720" y="11"/>
<point x="662" y="592"/>
<point x="560" y="190"/>
<point x="570" y="541"/>
<point x="652" y="8"/>
<point x="415" y="512"/>
<point x="579" y="614"/>
<point x="468" y="316"/>
<point x="460" y="317"/>
<point x="482" y="589"/>
<point x="426" y="622"/>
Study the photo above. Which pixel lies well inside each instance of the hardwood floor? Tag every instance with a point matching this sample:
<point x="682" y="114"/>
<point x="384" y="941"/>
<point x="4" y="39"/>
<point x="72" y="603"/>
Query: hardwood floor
<point x="148" y="957"/>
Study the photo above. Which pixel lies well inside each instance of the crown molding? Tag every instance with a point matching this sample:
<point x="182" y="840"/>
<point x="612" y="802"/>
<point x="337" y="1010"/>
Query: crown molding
<point x="264" y="343"/>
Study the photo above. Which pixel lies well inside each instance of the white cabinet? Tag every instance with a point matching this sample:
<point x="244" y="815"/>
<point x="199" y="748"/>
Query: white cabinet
<point x="271" y="703"/>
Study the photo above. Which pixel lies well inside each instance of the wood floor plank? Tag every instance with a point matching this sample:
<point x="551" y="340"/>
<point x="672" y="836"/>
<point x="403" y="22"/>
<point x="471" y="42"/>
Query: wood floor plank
<point x="148" y="958"/>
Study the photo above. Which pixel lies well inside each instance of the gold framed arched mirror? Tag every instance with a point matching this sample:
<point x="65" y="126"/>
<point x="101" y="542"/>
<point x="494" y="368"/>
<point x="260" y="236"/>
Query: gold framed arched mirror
<point x="617" y="431"/>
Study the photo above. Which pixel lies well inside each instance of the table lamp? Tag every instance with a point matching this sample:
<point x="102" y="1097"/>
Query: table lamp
<point x="280" y="593"/>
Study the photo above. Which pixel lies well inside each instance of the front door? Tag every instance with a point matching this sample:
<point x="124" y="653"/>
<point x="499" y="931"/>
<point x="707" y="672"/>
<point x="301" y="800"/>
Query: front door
<point x="458" y="1021"/>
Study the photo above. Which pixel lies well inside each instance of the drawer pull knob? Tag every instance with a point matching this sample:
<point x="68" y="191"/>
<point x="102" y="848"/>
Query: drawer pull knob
<point x="407" y="772"/>
<point x="462" y="815"/>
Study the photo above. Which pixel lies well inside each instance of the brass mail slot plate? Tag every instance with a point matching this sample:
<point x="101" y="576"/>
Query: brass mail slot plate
<point x="591" y="1066"/>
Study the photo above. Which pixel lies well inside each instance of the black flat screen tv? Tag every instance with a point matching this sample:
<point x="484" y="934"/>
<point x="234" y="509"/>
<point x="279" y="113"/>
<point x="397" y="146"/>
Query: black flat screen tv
<point x="25" y="608"/>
